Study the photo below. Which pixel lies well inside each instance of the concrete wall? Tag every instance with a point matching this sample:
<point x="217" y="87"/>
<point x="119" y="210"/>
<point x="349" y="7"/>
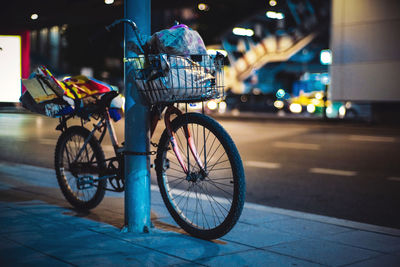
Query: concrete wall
<point x="365" y="43"/>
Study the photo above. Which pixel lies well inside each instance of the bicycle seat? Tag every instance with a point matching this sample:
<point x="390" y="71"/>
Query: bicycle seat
<point x="96" y="107"/>
<point x="106" y="99"/>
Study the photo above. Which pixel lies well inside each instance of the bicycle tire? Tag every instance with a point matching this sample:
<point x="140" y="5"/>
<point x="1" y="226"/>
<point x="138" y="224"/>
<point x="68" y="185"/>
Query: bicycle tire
<point x="70" y="141"/>
<point x="219" y="209"/>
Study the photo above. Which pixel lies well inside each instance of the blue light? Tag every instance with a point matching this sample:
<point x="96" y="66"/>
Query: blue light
<point x="280" y="93"/>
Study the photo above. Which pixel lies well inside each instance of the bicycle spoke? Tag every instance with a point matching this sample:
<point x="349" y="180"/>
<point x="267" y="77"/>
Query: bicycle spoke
<point x="217" y="202"/>
<point x="210" y="197"/>
<point x="71" y="151"/>
<point x="212" y="181"/>
<point x="227" y="193"/>
<point x="205" y="142"/>
<point x="213" y="211"/>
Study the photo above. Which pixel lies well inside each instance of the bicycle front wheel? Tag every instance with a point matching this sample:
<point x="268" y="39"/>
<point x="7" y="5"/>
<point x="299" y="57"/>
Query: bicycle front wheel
<point x="205" y="201"/>
<point x="78" y="166"/>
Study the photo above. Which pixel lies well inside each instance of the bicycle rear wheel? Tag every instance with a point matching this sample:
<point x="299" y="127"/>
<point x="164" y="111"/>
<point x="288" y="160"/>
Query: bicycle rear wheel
<point x="206" y="204"/>
<point x="78" y="169"/>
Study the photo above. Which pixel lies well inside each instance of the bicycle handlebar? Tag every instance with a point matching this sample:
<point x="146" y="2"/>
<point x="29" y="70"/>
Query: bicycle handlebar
<point x="115" y="23"/>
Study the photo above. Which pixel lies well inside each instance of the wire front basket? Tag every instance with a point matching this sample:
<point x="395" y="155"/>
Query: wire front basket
<point x="164" y="79"/>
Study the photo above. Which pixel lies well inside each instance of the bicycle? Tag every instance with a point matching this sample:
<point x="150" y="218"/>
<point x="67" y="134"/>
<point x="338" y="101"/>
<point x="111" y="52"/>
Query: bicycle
<point x="199" y="170"/>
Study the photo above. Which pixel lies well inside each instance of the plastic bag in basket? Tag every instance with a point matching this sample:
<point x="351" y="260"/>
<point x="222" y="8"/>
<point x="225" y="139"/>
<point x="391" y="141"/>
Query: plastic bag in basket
<point x="177" y="40"/>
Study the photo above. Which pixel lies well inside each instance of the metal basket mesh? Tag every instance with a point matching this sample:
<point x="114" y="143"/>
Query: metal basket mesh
<point x="174" y="79"/>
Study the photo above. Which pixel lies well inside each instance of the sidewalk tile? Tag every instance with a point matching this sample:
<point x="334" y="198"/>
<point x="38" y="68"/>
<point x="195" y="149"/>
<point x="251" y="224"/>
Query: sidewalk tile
<point x="256" y="217"/>
<point x="133" y="257"/>
<point x="68" y="244"/>
<point x="306" y="228"/>
<point x="51" y="213"/>
<point x="81" y="249"/>
<point x="86" y="247"/>
<point x="323" y="252"/>
<point x="385" y="260"/>
<point x="13" y="254"/>
<point x="18" y="221"/>
<point x="256" y="258"/>
<point x="28" y="260"/>
<point x="178" y="245"/>
<point x="257" y="236"/>
<point x="368" y="240"/>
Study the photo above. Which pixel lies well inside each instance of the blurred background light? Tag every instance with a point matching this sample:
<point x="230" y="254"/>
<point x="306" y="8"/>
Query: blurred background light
<point x="195" y="106"/>
<point x="243" y="31"/>
<point x="319" y="95"/>
<point x="274" y="15"/>
<point x="272" y="3"/>
<point x="280" y="93"/>
<point x="222" y="107"/>
<point x="326" y="57"/>
<point x="279" y="104"/>
<point x="295" y="108"/>
<point x="212" y="104"/>
<point x="213" y="52"/>
<point x="108" y="2"/>
<point x="310" y="108"/>
<point x="329" y="110"/>
<point x="342" y="111"/>
<point x="34" y="16"/>
<point x="203" y="7"/>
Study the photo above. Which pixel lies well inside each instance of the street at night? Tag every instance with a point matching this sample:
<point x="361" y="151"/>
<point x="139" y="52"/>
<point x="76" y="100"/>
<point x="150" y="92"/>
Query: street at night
<point x="337" y="169"/>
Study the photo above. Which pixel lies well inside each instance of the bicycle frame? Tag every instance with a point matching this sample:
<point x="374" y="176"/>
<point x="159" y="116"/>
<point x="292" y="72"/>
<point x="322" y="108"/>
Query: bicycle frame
<point x="105" y="123"/>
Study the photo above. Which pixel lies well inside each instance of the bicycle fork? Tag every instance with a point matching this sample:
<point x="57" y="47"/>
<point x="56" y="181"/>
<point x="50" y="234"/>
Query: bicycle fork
<point x="191" y="146"/>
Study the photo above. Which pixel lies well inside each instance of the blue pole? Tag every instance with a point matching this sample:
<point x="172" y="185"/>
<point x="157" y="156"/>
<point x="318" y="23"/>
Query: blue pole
<point x="137" y="167"/>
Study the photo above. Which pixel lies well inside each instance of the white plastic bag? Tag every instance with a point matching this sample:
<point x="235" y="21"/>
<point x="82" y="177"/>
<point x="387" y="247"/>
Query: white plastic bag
<point x="178" y="40"/>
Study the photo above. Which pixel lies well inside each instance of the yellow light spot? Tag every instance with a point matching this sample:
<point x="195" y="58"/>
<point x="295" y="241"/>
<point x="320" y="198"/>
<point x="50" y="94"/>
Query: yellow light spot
<point x="278" y="104"/>
<point x="319" y="95"/>
<point x="203" y="7"/>
<point x="212" y="104"/>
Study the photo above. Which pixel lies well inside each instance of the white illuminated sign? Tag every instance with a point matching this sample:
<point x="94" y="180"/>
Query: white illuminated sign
<point x="10" y="68"/>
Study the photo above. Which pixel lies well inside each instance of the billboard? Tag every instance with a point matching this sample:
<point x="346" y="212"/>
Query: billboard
<point x="10" y="68"/>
